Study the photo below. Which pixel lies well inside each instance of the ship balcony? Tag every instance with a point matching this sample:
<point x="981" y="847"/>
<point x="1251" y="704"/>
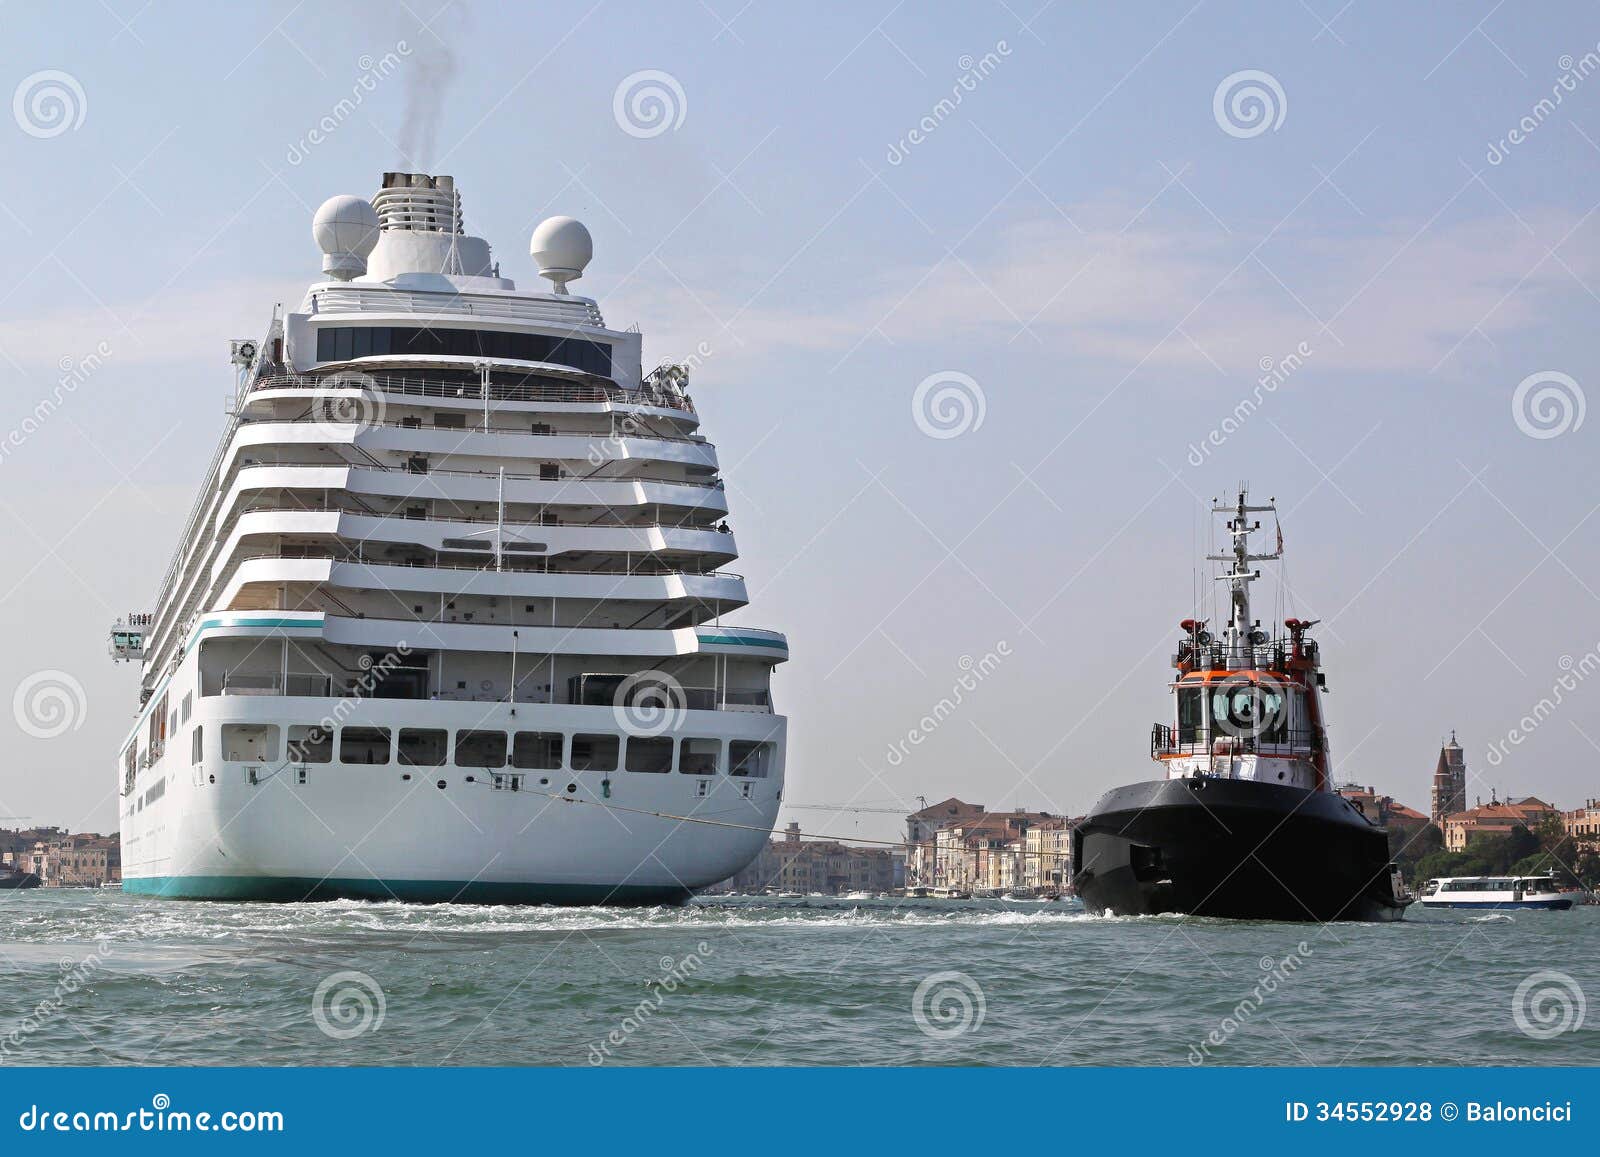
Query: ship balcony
<point x="707" y="545"/>
<point x="1168" y="742"/>
<point x="553" y="490"/>
<point x="515" y="389"/>
<point x="318" y="686"/>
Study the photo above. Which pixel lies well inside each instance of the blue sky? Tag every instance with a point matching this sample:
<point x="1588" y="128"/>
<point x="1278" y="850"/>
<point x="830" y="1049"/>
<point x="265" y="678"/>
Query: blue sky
<point x="1081" y="237"/>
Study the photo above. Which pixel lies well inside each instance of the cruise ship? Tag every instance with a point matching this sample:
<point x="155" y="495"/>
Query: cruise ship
<point x="447" y="619"/>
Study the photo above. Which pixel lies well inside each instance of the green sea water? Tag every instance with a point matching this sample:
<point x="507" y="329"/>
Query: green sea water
<point x="98" y="977"/>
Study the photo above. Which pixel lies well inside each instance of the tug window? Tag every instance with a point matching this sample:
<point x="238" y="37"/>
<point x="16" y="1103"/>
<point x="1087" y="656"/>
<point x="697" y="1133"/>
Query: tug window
<point x="1191" y="714"/>
<point x="1251" y="711"/>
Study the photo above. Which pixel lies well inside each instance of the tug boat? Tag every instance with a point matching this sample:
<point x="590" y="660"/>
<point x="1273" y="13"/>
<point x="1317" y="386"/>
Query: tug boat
<point x="1246" y="823"/>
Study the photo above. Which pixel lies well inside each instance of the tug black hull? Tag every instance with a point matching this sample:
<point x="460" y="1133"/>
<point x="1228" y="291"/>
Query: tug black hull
<point x="1235" y="849"/>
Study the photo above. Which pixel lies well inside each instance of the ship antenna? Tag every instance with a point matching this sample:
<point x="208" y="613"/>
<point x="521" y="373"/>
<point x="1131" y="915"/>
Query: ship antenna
<point x="1241" y="627"/>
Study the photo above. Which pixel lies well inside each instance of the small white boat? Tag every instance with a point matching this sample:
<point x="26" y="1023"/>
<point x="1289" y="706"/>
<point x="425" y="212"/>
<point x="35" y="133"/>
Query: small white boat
<point x="860" y="896"/>
<point x="1497" y="893"/>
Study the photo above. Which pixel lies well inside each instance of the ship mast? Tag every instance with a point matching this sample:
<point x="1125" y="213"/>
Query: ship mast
<point x="1241" y="627"/>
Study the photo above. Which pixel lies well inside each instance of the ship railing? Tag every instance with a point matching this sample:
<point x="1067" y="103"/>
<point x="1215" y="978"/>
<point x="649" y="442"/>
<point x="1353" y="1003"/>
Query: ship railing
<point x="1167" y="740"/>
<point x="1272" y="655"/>
<point x="486" y="544"/>
<point x="316" y="686"/>
<point x="642" y="435"/>
<point x="711" y="484"/>
<point x="486" y="567"/>
<point x="435" y="387"/>
<point x="689" y="698"/>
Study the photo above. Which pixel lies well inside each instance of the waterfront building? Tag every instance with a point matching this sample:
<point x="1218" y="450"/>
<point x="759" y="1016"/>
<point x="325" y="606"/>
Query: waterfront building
<point x="1047" y="861"/>
<point x="1449" y="781"/>
<point x="1583" y="824"/>
<point x="1494" y="819"/>
<point x="796" y="865"/>
<point x="1384" y="810"/>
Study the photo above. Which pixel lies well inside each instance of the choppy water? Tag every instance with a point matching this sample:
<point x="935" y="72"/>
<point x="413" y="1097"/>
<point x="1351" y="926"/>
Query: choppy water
<point x="103" y="978"/>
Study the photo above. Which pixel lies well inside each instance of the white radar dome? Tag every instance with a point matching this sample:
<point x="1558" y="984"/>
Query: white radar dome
<point x="562" y="247"/>
<point x="346" y="230"/>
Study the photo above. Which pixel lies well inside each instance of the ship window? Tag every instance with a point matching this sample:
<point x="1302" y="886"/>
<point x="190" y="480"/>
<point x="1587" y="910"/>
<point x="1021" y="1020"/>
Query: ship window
<point x="310" y="745"/>
<point x="652" y="754"/>
<point x="422" y="747"/>
<point x="338" y="343"/>
<point x="1191" y="714"/>
<point x="197" y="745"/>
<point x="537" y="750"/>
<point x="480" y="749"/>
<point x="749" y="759"/>
<point x="249" y="742"/>
<point x="595" y="752"/>
<point x="1250" y="710"/>
<point x="699" y="756"/>
<point x="364" y="745"/>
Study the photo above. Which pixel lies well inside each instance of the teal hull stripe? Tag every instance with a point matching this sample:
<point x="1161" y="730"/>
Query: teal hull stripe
<point x="745" y="641"/>
<point x="293" y="888"/>
<point x="200" y="628"/>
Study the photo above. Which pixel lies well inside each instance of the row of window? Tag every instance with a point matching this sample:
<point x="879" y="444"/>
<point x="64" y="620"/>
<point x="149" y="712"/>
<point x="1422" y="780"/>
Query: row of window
<point x="341" y="343"/>
<point x="480" y="748"/>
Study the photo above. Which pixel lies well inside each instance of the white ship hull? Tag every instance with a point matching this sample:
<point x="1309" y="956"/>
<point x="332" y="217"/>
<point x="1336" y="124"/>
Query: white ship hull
<point x="233" y="829"/>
